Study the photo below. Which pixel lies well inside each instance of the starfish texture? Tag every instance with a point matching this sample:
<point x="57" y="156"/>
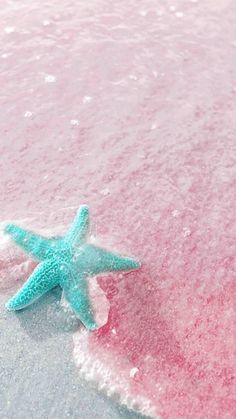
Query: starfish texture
<point x="66" y="261"/>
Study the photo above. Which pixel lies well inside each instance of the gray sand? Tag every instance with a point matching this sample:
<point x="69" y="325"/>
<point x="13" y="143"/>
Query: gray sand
<point x="38" y="378"/>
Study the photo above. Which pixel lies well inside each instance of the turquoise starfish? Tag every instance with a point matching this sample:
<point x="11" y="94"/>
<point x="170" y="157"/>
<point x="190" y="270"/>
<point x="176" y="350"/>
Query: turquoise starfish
<point x="67" y="261"/>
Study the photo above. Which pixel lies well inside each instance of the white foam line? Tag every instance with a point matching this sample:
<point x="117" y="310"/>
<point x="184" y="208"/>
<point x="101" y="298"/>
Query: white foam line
<point x="91" y="367"/>
<point x="106" y="378"/>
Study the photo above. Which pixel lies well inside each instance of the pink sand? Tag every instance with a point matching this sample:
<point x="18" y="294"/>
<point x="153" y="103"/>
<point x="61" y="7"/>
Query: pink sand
<point x="130" y="107"/>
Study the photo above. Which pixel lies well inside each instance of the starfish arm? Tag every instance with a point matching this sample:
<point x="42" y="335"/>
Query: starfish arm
<point x="45" y="277"/>
<point x="76" y="293"/>
<point x="80" y="227"/>
<point x="100" y="260"/>
<point x="32" y="243"/>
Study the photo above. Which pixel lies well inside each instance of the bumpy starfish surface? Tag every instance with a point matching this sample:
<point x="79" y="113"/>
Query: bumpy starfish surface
<point x="67" y="261"/>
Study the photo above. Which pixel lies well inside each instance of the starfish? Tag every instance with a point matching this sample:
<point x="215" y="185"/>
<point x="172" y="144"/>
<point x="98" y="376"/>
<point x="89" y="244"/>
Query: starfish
<point x="66" y="261"/>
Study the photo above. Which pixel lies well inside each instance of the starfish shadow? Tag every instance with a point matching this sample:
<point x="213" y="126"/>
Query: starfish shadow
<point x="67" y="261"/>
<point x="47" y="318"/>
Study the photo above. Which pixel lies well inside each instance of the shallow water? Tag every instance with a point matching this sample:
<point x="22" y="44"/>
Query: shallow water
<point x="130" y="108"/>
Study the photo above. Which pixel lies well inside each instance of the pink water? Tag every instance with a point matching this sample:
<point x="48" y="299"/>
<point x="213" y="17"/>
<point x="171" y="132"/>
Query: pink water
<point x="130" y="107"/>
